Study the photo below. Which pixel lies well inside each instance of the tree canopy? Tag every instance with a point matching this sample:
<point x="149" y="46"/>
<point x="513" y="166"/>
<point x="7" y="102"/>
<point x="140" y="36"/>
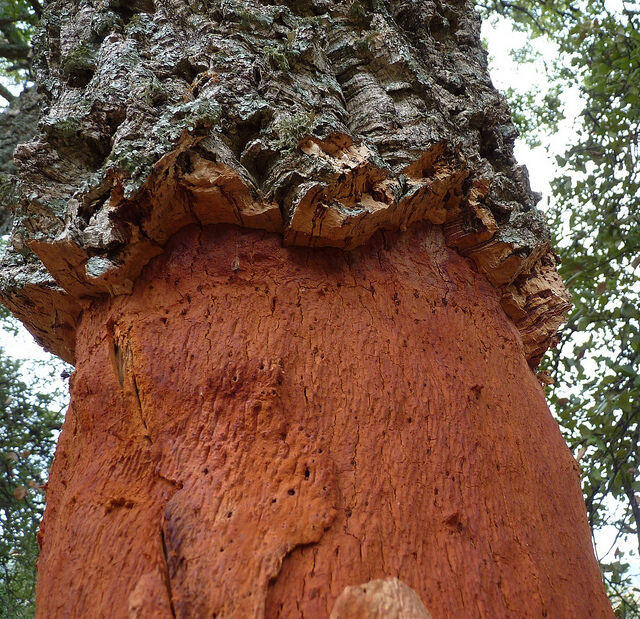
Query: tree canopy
<point x="18" y="19"/>
<point x="29" y="424"/>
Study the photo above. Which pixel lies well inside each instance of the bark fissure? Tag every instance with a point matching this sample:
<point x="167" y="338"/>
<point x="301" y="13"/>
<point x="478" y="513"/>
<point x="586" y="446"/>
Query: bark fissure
<point x="136" y="391"/>
<point x="125" y="368"/>
<point x="167" y="572"/>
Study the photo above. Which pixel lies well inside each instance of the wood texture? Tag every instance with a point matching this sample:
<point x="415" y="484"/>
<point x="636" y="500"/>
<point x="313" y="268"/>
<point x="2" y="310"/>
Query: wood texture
<point x="256" y="428"/>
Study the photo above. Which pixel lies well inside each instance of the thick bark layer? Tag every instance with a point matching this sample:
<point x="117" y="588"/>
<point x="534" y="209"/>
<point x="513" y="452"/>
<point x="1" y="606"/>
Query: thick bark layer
<point x="17" y="124"/>
<point x="256" y="428"/>
<point x="324" y="121"/>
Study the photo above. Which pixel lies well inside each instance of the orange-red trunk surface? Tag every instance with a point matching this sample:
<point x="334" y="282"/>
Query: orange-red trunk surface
<point x="256" y="428"/>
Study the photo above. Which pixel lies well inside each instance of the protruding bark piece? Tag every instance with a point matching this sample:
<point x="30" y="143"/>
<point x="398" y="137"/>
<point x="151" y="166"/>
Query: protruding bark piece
<point x="379" y="599"/>
<point x="324" y="121"/>
<point x="537" y="303"/>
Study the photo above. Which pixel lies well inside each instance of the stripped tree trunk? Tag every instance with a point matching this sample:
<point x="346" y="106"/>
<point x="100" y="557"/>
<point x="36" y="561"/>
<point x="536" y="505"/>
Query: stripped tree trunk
<point x="304" y="285"/>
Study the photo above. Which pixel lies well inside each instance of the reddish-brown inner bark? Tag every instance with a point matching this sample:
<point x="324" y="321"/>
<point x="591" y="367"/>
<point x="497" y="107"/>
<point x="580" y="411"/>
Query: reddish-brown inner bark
<point x="255" y="428"/>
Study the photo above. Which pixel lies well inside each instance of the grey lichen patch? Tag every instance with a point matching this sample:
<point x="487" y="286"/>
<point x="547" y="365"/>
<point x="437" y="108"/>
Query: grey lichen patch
<point x="277" y="57"/>
<point x="8" y="190"/>
<point x="135" y="158"/>
<point x="154" y="93"/>
<point x="365" y="44"/>
<point x="98" y="266"/>
<point x="359" y="14"/>
<point x="325" y="121"/>
<point x="290" y="129"/>
<point x="103" y="22"/>
<point x="132" y="162"/>
<point x="247" y="18"/>
<point x="62" y="128"/>
<point x="140" y="25"/>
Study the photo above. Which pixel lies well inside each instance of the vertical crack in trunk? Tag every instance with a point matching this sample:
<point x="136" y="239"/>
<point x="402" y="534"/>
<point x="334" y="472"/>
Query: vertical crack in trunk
<point x="167" y="575"/>
<point x="136" y="391"/>
<point x="124" y="366"/>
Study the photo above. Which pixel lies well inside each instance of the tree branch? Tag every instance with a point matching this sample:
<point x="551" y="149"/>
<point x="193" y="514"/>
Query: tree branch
<point x="25" y="17"/>
<point x="13" y="51"/>
<point x="6" y="94"/>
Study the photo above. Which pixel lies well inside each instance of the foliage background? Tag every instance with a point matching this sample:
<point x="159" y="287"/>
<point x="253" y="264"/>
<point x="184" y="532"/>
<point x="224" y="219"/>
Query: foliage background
<point x="31" y="413"/>
<point x="18" y="19"/>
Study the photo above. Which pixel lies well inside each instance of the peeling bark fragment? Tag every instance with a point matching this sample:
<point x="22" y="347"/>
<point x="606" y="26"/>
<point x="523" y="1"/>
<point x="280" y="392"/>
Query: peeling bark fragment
<point x="323" y="121"/>
<point x="537" y="303"/>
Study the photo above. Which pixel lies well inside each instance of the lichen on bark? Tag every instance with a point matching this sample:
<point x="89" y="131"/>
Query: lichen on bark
<point x="17" y="123"/>
<point x="324" y="121"/>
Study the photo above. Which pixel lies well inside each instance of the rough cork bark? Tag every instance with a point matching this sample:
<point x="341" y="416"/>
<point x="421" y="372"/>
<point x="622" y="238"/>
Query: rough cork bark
<point x="304" y="282"/>
<point x="17" y="123"/>
<point x="324" y="121"/>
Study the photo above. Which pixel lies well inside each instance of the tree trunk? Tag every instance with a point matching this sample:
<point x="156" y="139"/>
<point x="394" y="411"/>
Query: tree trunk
<point x="360" y="415"/>
<point x="262" y="419"/>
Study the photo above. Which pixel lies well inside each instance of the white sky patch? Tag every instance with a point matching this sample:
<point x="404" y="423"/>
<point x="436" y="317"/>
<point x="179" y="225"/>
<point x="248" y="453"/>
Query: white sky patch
<point x="507" y="73"/>
<point x="14" y="89"/>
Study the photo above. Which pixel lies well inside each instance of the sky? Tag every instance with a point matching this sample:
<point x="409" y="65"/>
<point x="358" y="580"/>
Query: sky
<point x="505" y="73"/>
